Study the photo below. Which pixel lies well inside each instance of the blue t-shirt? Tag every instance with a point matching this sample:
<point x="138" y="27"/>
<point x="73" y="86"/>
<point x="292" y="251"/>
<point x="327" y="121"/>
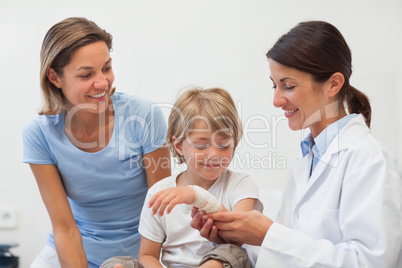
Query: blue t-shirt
<point x="106" y="189"/>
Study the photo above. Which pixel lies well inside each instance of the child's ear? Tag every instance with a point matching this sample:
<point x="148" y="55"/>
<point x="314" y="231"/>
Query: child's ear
<point x="53" y="77"/>
<point x="177" y="145"/>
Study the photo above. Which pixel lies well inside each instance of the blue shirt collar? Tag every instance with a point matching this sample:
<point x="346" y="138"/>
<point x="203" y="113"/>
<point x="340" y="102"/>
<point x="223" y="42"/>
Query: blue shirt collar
<point x="323" y="140"/>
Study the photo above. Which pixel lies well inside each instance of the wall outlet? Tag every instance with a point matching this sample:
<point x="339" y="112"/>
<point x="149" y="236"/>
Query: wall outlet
<point x="8" y="217"/>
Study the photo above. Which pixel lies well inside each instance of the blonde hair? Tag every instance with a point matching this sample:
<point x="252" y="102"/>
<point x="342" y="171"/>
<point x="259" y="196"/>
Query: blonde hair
<point x="59" y="44"/>
<point x="214" y="106"/>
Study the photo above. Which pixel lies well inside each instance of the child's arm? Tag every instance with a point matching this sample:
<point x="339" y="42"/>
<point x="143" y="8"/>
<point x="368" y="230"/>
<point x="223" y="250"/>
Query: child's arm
<point x="149" y="253"/>
<point x="246" y="204"/>
<point x="190" y="195"/>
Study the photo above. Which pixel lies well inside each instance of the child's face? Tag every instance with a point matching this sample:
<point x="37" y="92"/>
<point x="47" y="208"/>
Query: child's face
<point x="207" y="152"/>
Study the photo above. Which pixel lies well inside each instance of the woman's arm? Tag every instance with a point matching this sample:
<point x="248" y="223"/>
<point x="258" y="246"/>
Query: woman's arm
<point x="157" y="165"/>
<point x="149" y="253"/>
<point x="67" y="237"/>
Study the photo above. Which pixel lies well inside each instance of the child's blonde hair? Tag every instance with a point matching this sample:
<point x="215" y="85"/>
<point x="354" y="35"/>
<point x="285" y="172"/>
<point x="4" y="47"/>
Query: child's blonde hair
<point x="214" y="106"/>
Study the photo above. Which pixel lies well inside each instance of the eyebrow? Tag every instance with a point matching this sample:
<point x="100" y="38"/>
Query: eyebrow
<point x="89" y="67"/>
<point x="200" y="139"/>
<point x="282" y="79"/>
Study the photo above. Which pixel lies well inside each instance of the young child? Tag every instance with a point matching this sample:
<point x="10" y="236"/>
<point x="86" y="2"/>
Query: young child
<point x="203" y="132"/>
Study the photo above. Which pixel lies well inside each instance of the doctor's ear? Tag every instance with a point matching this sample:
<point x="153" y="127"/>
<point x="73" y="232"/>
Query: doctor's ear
<point x="178" y="146"/>
<point x="53" y="77"/>
<point x="336" y="82"/>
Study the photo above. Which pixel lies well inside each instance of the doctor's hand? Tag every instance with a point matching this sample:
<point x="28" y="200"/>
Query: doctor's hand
<point x="242" y="227"/>
<point x="204" y="225"/>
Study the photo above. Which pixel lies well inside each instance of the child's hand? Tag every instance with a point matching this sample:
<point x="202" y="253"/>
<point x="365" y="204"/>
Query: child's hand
<point x="168" y="198"/>
<point x="205" y="226"/>
<point x="197" y="222"/>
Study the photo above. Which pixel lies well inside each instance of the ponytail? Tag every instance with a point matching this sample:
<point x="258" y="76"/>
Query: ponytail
<point x="359" y="103"/>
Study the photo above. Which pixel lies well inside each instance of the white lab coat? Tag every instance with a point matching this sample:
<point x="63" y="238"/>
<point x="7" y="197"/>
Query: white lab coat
<point x="347" y="214"/>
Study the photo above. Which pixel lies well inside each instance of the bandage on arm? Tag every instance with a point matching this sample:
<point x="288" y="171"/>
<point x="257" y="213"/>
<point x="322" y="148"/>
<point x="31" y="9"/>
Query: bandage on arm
<point x="204" y="200"/>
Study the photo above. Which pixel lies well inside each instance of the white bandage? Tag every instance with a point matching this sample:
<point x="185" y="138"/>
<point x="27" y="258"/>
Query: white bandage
<point x="205" y="200"/>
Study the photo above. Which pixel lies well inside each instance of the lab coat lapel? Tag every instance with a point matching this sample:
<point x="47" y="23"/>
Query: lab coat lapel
<point x="301" y="172"/>
<point x="354" y="129"/>
<point x="329" y="159"/>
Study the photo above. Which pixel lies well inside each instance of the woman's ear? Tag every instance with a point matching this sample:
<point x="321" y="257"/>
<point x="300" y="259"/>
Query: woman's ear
<point x="53" y="78"/>
<point x="336" y="82"/>
<point x="177" y="145"/>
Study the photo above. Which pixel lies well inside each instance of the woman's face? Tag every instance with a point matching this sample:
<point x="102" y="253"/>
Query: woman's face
<point x="88" y="78"/>
<point x="303" y="100"/>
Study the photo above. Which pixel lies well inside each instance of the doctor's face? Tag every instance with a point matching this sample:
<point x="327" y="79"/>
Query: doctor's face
<point x="299" y="96"/>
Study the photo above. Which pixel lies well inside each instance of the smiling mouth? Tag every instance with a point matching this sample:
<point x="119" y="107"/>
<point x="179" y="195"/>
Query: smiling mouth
<point x="100" y="95"/>
<point x="290" y="111"/>
<point x="212" y="165"/>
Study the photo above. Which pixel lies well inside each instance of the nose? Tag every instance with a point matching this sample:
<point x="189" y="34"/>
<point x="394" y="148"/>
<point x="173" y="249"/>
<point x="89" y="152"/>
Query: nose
<point x="213" y="152"/>
<point x="101" y="82"/>
<point x="279" y="99"/>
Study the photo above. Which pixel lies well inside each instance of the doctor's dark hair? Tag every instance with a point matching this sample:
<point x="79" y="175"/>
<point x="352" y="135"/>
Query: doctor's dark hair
<point x="58" y="46"/>
<point x="318" y="48"/>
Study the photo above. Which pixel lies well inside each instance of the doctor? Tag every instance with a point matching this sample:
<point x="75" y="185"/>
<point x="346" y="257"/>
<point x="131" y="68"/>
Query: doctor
<point x="343" y="203"/>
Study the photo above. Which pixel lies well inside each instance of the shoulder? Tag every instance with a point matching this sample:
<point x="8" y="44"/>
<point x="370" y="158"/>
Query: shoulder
<point x="237" y="176"/>
<point x="165" y="183"/>
<point x="234" y="179"/>
<point x="132" y="102"/>
<point x="363" y="150"/>
<point x="356" y="136"/>
<point x="42" y="124"/>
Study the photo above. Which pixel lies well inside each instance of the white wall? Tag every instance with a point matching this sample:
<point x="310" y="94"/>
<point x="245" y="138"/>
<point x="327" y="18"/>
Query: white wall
<point x="162" y="46"/>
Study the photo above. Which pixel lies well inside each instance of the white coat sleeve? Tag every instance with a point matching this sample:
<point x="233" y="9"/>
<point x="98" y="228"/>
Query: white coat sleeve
<point x="370" y="209"/>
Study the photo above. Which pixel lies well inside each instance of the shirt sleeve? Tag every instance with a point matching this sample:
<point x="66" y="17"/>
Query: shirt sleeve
<point x="245" y="187"/>
<point x="35" y="147"/>
<point x="154" y="135"/>
<point x="151" y="225"/>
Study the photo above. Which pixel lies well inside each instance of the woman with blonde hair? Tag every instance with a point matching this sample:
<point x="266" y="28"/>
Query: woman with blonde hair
<point x="94" y="153"/>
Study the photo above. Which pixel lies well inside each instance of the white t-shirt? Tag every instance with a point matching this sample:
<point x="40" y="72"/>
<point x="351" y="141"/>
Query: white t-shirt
<point x="181" y="244"/>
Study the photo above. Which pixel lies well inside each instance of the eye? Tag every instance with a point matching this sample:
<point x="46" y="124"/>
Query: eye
<point x="289" y="88"/>
<point x="224" y="146"/>
<point x="201" y="146"/>
<point x="108" y="68"/>
<point x="85" y="76"/>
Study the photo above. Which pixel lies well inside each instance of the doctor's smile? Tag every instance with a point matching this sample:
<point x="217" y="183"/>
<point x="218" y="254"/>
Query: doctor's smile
<point x="289" y="113"/>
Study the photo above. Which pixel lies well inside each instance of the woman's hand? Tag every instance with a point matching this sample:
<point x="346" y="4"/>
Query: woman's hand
<point x="169" y="198"/>
<point x="240" y="227"/>
<point x="204" y="225"/>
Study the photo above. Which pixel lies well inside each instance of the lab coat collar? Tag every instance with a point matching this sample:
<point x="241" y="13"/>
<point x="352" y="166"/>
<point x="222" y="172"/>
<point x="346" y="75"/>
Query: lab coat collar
<point x="355" y="128"/>
<point x="320" y="144"/>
